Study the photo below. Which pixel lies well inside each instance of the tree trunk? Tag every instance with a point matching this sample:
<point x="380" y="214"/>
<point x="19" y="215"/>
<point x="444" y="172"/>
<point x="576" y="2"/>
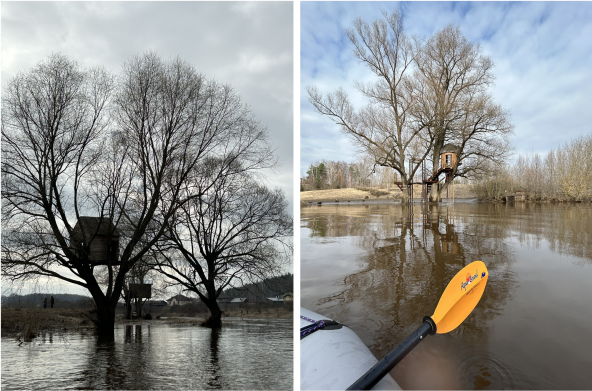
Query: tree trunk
<point x="105" y="320"/>
<point x="215" y="319"/>
<point x="128" y="305"/>
<point x="434" y="193"/>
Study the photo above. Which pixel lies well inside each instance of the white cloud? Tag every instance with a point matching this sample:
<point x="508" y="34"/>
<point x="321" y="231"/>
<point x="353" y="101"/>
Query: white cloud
<point x="542" y="52"/>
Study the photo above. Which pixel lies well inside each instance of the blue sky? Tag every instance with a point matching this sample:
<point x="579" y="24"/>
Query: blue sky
<point x="248" y="45"/>
<point x="542" y="53"/>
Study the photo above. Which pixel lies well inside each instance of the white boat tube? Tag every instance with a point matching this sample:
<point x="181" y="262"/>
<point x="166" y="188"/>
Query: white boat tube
<point x="334" y="358"/>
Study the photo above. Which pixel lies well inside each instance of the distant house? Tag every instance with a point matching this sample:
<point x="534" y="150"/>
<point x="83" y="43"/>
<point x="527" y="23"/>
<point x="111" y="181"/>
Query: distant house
<point x="289" y="301"/>
<point x="280" y="298"/>
<point x="224" y="299"/>
<point x="239" y="300"/>
<point x="275" y="300"/>
<point x="180" y="300"/>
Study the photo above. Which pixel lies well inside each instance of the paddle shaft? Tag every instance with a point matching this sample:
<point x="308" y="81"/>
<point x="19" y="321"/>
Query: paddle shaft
<point x="381" y="368"/>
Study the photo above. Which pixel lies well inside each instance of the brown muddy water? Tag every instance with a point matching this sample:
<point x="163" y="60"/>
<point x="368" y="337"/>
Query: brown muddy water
<point x="380" y="268"/>
<point x="247" y="355"/>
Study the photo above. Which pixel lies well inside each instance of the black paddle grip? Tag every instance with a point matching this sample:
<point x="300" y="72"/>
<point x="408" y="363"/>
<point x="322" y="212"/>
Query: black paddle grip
<point x="382" y="367"/>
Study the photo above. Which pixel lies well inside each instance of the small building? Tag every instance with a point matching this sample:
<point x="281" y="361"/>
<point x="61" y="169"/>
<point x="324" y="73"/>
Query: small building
<point x="140" y="291"/>
<point x="180" y="300"/>
<point x="224" y="299"/>
<point x="520" y="195"/>
<point x="275" y="300"/>
<point x="239" y="300"/>
<point x="448" y="156"/>
<point x="101" y="237"/>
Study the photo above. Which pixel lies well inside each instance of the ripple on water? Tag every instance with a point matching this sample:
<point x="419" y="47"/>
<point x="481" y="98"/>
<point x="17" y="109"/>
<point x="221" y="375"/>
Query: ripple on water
<point x="486" y="368"/>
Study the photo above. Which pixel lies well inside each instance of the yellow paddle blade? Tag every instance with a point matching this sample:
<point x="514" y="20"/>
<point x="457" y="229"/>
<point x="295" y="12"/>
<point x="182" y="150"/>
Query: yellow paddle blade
<point x="460" y="297"/>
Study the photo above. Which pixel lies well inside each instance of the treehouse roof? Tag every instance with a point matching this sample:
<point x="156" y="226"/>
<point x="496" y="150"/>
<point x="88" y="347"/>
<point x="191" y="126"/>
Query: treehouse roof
<point x="449" y="148"/>
<point x="96" y="226"/>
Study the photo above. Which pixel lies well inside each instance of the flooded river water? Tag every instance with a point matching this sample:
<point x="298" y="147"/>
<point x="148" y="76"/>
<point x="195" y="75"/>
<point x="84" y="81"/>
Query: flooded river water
<point x="379" y="268"/>
<point x="245" y="355"/>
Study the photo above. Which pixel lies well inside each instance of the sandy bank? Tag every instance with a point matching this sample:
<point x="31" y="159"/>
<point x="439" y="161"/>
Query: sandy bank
<point x="393" y="194"/>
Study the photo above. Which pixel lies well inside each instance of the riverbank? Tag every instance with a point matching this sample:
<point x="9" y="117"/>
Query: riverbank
<point x="372" y="194"/>
<point x="29" y="322"/>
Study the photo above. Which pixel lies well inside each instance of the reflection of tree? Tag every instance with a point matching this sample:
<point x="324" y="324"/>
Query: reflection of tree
<point x="104" y="368"/>
<point x="565" y="227"/>
<point x="214" y="382"/>
<point x="413" y="253"/>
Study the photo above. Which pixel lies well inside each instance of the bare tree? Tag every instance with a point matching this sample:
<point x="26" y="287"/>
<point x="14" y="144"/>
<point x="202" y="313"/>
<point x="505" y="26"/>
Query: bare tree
<point x="75" y="143"/>
<point x="236" y="231"/>
<point x="384" y="129"/>
<point x="453" y="104"/>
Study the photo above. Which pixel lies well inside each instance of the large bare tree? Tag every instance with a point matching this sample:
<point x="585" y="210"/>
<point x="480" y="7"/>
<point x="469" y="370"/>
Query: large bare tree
<point x="428" y="94"/>
<point x="384" y="129"/>
<point x="236" y="232"/>
<point x="79" y="142"/>
<point x="453" y="103"/>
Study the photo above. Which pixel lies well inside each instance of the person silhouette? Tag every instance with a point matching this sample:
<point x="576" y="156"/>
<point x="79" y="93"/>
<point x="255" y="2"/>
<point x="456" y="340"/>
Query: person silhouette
<point x="52" y="302"/>
<point x="45" y="303"/>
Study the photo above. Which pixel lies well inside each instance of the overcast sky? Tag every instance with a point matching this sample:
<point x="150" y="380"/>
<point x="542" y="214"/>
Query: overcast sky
<point x="248" y="45"/>
<point x="542" y="53"/>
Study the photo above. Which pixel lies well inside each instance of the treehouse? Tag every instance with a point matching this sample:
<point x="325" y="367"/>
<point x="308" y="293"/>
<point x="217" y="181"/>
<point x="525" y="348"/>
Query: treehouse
<point x="140" y="290"/>
<point x="99" y="237"/>
<point x="448" y="156"/>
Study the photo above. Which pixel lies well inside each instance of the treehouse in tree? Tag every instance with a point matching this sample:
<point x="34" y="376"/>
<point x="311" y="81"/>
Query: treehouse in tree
<point x="140" y="290"/>
<point x="98" y="238"/>
<point x="448" y="156"/>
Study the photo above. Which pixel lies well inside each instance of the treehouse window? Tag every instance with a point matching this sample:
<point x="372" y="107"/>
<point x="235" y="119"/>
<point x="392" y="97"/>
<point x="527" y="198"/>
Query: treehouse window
<point x="448" y="160"/>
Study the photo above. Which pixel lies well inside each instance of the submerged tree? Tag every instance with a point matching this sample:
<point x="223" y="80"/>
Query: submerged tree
<point x="236" y="231"/>
<point x="79" y="142"/>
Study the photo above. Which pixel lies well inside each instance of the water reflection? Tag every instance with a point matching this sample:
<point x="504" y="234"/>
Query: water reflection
<point x="412" y="254"/>
<point x="214" y="382"/>
<point x="251" y="354"/>
<point x="380" y="268"/>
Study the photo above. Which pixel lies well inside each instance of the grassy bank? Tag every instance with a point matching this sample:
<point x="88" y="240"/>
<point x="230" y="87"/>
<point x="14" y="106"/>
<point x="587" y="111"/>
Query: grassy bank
<point x="28" y="323"/>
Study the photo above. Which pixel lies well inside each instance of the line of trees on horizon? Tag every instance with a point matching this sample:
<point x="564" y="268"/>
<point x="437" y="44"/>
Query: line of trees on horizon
<point x="329" y="174"/>
<point x="562" y="174"/>
<point x="363" y="173"/>
<point x="259" y="291"/>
